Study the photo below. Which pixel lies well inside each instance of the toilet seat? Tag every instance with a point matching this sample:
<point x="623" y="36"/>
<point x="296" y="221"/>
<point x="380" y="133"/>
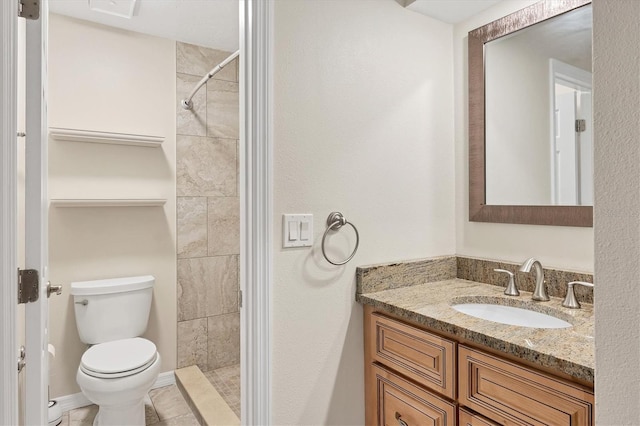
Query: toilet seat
<point x="118" y="358"/>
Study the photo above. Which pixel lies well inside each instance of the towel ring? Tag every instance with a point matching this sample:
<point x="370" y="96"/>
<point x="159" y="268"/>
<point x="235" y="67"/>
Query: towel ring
<point x="336" y="221"/>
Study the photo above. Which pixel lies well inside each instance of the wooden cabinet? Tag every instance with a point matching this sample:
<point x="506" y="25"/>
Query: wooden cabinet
<point x="422" y="356"/>
<point x="416" y="377"/>
<point x="512" y="394"/>
<point x="468" y="418"/>
<point x="402" y="403"/>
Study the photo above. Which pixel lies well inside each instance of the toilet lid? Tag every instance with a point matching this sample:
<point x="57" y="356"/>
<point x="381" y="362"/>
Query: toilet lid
<point x="118" y="358"/>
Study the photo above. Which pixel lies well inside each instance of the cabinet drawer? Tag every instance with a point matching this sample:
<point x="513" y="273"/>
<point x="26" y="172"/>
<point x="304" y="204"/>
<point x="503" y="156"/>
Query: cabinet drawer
<point x="467" y="418"/>
<point x="511" y="394"/>
<point x="401" y="402"/>
<point x="424" y="357"/>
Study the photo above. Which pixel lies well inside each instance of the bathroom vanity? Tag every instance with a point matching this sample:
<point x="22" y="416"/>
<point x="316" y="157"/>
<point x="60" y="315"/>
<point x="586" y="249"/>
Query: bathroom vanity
<point x="428" y="364"/>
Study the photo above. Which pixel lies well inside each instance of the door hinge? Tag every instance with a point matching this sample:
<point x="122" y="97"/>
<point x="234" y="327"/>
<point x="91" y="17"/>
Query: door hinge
<point x="581" y="125"/>
<point x="29" y="9"/>
<point x="240" y="298"/>
<point x="21" y="357"/>
<point x="28" y="285"/>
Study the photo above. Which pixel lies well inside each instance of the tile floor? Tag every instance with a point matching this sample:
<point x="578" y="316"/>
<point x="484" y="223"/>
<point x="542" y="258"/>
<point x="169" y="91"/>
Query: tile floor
<point x="226" y="380"/>
<point x="164" y="407"/>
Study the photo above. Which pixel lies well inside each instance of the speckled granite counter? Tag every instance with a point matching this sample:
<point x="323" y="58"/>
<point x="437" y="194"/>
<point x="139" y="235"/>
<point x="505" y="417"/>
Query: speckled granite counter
<point x="569" y="350"/>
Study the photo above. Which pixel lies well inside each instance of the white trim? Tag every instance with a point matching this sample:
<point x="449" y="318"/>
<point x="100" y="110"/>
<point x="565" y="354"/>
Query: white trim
<point x="90" y="136"/>
<point x="8" y="215"/>
<point x="78" y="400"/>
<point x="36" y="219"/>
<point x="256" y="231"/>
<point x="570" y="76"/>
<point x="73" y="401"/>
<point x="164" y="379"/>
<point x="108" y="202"/>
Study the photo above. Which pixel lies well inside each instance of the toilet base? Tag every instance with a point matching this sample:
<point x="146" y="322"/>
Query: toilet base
<point x="120" y="401"/>
<point x="131" y="414"/>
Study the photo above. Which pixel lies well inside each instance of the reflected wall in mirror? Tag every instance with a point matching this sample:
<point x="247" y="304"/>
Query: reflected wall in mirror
<point x="530" y="125"/>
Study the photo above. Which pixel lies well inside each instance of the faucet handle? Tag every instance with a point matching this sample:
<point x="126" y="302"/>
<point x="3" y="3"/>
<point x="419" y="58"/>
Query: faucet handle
<point x="570" y="300"/>
<point x="511" y="289"/>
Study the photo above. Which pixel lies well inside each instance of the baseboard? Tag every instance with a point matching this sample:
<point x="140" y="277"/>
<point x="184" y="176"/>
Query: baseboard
<point x="73" y="401"/>
<point x="77" y="400"/>
<point x="164" y="379"/>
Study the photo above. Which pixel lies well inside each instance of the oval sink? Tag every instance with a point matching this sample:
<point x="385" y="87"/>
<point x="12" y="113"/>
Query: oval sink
<point x="510" y="315"/>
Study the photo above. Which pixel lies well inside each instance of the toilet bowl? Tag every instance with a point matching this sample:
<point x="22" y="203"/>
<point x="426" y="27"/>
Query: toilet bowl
<point x="121" y="396"/>
<point x="119" y="368"/>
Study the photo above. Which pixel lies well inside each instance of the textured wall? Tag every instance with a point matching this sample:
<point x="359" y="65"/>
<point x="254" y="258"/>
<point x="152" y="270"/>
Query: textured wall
<point x="207" y="211"/>
<point x="616" y="96"/>
<point x="107" y="80"/>
<point x="363" y="104"/>
<point x="559" y="247"/>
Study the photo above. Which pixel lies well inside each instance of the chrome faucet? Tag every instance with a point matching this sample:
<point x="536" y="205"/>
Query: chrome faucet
<point x="540" y="293"/>
<point x="570" y="300"/>
<point x="511" y="289"/>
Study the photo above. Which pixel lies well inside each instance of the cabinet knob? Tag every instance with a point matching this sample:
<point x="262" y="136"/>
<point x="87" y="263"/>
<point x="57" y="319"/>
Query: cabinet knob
<point x="400" y="421"/>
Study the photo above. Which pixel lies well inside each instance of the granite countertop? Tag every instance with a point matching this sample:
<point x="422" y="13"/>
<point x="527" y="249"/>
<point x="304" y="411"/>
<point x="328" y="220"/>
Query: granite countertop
<point x="567" y="350"/>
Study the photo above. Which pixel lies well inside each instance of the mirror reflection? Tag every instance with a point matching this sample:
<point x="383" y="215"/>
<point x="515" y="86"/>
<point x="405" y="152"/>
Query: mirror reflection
<point x="539" y="139"/>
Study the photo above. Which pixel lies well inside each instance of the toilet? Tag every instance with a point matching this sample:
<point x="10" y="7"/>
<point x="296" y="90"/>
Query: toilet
<point x="119" y="368"/>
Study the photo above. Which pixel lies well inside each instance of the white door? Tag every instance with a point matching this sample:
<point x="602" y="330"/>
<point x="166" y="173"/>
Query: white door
<point x="573" y="147"/>
<point x="31" y="397"/>
<point x="571" y="139"/>
<point x="565" y="182"/>
<point x="36" y="207"/>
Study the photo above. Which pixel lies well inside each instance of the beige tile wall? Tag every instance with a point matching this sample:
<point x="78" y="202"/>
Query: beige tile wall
<point x="208" y="211"/>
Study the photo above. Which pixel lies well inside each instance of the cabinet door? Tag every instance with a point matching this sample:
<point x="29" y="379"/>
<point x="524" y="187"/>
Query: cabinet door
<point x="402" y="403"/>
<point x="467" y="418"/>
<point x="422" y="356"/>
<point x="511" y="394"/>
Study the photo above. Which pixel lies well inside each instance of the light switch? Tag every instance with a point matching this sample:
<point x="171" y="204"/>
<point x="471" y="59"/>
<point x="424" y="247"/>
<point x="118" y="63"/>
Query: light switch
<point x="297" y="230"/>
<point x="293" y="230"/>
<point x="304" y="230"/>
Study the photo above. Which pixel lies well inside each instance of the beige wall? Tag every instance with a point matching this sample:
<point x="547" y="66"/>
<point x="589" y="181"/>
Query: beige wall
<point x="518" y="152"/>
<point x="208" y="211"/>
<point x="616" y="93"/>
<point x="561" y="247"/>
<point x="363" y="106"/>
<point x="110" y="80"/>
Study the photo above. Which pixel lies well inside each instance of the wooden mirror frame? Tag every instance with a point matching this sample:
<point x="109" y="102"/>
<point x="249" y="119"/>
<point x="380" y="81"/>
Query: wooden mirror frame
<point x="479" y="211"/>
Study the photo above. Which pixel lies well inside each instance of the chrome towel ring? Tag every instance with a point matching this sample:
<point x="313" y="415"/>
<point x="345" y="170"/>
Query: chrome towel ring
<point x="336" y="221"/>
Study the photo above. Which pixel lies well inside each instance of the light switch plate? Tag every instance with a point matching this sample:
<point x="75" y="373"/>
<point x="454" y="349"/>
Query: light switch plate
<point x="294" y="234"/>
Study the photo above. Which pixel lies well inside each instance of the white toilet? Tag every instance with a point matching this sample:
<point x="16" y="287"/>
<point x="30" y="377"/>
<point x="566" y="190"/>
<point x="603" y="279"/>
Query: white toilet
<point x="118" y="370"/>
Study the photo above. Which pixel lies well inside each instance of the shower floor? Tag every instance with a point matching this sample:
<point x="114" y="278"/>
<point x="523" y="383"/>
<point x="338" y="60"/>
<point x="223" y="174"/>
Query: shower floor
<point x="226" y="380"/>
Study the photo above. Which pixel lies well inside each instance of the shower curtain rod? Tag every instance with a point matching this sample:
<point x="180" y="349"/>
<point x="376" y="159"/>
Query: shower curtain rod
<point x="187" y="103"/>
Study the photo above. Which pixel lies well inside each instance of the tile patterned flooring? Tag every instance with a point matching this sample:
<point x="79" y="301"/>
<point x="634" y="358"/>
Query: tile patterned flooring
<point x="163" y="407"/>
<point x="226" y="380"/>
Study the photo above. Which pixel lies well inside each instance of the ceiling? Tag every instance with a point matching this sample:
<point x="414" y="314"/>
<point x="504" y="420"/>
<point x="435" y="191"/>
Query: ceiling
<point x="210" y="23"/>
<point x="450" y="11"/>
<point x="215" y="23"/>
<point x="566" y="37"/>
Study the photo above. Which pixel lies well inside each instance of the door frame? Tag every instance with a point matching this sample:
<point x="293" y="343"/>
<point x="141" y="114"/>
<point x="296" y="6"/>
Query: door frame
<point x="571" y="75"/>
<point x="256" y="211"/>
<point x="36" y="380"/>
<point x="8" y="215"/>
<point x="256" y="183"/>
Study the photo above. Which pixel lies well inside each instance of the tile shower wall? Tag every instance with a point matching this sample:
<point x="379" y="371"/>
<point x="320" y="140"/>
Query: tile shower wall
<point x="208" y="211"/>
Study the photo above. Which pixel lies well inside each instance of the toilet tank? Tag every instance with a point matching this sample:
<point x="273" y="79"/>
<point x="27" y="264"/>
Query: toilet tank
<point x="112" y="309"/>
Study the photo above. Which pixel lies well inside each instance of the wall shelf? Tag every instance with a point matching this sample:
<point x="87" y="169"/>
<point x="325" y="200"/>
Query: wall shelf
<point x="89" y="136"/>
<point x="109" y="202"/>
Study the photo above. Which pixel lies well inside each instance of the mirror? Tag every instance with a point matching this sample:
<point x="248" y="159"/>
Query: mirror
<point x="530" y="125"/>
